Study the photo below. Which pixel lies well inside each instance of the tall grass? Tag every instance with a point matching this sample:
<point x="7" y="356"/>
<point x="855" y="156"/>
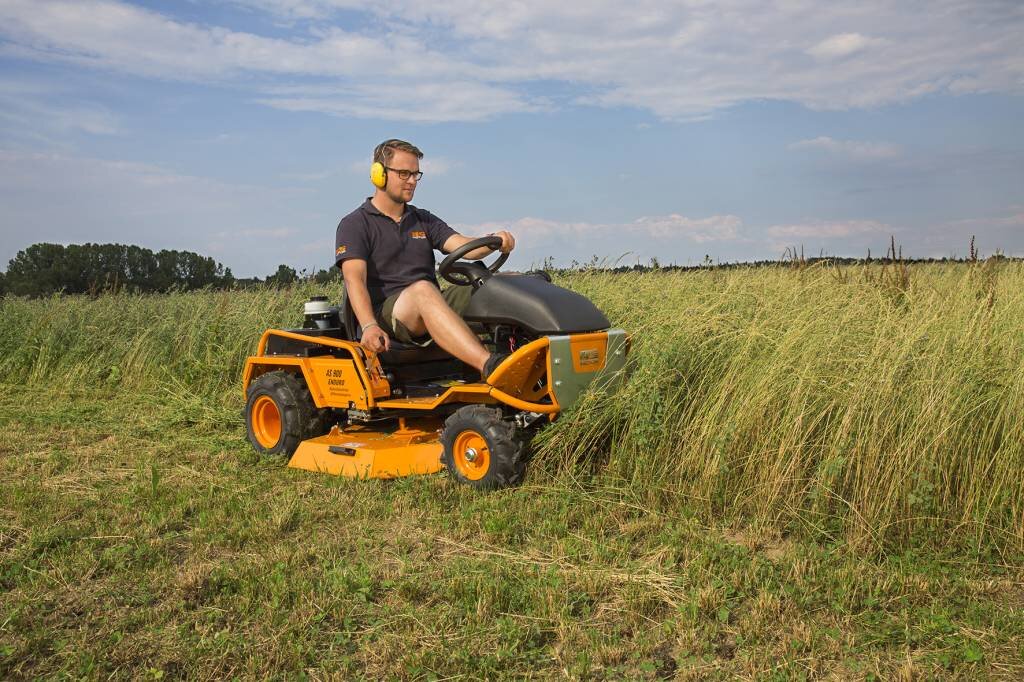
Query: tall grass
<point x="864" y="404"/>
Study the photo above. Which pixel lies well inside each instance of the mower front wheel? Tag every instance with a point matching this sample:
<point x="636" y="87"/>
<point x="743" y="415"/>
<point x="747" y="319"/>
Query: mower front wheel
<point x="482" y="449"/>
<point x="280" y="414"/>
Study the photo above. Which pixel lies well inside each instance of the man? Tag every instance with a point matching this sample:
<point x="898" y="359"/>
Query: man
<point x="385" y="249"/>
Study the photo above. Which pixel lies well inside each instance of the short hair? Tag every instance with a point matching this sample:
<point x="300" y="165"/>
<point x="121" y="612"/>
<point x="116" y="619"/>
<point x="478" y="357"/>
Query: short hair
<point x="386" y="150"/>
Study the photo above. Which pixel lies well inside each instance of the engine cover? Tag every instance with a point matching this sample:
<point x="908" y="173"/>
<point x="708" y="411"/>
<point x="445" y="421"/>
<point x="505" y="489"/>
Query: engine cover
<point x="533" y="303"/>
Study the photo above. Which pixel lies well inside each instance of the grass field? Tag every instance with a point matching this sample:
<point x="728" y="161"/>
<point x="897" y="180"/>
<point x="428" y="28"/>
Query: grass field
<point x="810" y="473"/>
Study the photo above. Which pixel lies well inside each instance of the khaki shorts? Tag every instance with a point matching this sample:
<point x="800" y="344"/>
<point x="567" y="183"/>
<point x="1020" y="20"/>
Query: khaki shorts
<point x="457" y="298"/>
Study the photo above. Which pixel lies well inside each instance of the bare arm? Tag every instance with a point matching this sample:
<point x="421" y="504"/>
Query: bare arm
<point x="508" y="243"/>
<point x="354" y="272"/>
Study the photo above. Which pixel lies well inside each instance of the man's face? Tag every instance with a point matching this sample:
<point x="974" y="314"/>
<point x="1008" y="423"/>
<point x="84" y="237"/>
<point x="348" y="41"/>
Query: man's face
<point x="398" y="189"/>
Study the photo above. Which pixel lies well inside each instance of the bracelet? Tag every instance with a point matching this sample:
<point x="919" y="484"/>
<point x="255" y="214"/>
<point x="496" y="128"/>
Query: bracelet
<point x="367" y="326"/>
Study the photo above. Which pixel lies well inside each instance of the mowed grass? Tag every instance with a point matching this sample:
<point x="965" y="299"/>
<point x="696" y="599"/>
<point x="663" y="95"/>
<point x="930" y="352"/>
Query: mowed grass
<point x="809" y="472"/>
<point x="138" y="543"/>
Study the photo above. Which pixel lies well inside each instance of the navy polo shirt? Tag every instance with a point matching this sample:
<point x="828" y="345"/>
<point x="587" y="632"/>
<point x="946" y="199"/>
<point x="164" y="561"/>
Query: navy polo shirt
<point x="396" y="255"/>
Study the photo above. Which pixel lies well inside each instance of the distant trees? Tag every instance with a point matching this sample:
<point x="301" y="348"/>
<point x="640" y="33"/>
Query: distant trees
<point x="283" y="277"/>
<point x="286" y="275"/>
<point x="331" y="274"/>
<point x="43" y="269"/>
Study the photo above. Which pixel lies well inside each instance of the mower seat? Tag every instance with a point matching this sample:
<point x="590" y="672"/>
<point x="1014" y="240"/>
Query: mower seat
<point x="399" y="353"/>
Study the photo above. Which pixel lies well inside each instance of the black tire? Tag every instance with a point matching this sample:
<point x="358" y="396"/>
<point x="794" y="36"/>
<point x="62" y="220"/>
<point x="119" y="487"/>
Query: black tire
<point x="284" y="398"/>
<point x="498" y="457"/>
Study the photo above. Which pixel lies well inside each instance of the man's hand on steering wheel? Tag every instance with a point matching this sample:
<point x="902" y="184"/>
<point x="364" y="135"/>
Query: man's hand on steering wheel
<point x="464" y="273"/>
<point x="374" y="339"/>
<point x="508" y="242"/>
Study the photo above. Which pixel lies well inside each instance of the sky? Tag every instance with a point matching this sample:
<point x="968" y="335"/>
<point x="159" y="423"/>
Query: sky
<point x="732" y="129"/>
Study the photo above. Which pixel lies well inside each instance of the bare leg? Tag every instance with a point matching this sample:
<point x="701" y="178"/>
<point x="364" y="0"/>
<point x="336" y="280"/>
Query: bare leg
<point x="422" y="309"/>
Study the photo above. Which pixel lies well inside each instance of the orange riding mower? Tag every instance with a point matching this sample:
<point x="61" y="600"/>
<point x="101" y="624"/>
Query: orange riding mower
<point x="316" y="395"/>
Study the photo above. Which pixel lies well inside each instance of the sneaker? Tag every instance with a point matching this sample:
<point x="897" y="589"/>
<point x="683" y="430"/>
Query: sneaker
<point x="492" y="364"/>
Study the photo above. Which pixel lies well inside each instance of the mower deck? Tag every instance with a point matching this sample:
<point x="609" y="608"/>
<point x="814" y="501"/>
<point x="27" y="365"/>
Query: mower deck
<point x="365" y="452"/>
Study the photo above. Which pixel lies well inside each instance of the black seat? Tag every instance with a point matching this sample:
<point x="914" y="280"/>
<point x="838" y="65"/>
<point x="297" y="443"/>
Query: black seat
<point x="399" y="353"/>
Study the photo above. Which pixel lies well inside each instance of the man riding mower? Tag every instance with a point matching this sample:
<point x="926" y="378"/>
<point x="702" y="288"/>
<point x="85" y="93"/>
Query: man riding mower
<point x="317" y="395"/>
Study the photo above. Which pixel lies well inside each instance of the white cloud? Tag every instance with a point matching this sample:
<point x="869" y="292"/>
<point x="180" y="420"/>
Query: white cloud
<point x="313" y="176"/>
<point x="668" y="227"/>
<point x="28" y="106"/>
<point x="850" y="149"/>
<point x="276" y="233"/>
<point x="74" y="199"/>
<point x="419" y="102"/>
<point x="715" y="228"/>
<point x="839" y="46"/>
<point x="319" y="246"/>
<point x="463" y="61"/>
<point x="1015" y="219"/>
<point x="36" y="166"/>
<point x="1000" y="231"/>
<point x="532" y="227"/>
<point x="290" y="10"/>
<point x="436" y="166"/>
<point x="116" y="35"/>
<point x="829" y="230"/>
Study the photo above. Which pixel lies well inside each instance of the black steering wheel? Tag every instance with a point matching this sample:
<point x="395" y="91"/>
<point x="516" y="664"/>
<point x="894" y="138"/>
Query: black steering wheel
<point x="465" y="273"/>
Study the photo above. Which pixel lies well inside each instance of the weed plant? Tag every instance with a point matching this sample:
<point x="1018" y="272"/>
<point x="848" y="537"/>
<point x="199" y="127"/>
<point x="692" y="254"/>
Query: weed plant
<point x="878" y="404"/>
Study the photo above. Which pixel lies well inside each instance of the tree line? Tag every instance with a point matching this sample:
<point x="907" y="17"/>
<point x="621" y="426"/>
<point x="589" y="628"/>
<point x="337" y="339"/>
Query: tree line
<point x="45" y="269"/>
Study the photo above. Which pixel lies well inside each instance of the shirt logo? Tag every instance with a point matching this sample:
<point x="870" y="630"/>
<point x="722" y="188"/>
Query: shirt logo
<point x="340" y="250"/>
<point x="418" y="234"/>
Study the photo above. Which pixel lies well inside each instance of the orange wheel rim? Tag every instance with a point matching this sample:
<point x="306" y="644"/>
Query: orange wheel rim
<point x="471" y="455"/>
<point x="266" y="422"/>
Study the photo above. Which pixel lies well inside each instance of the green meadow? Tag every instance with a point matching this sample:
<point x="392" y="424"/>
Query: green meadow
<point x="810" y="472"/>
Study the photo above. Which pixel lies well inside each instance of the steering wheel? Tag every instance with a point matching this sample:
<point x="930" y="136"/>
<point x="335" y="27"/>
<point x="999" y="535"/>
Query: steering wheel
<point x="465" y="273"/>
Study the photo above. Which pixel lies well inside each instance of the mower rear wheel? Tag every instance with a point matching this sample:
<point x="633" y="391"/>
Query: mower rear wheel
<point x="280" y="414"/>
<point x="482" y="449"/>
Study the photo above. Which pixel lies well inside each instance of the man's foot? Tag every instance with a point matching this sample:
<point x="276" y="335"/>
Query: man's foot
<point x="492" y="364"/>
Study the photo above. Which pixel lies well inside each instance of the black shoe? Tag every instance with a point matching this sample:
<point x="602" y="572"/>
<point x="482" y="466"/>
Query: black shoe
<point x="492" y="364"/>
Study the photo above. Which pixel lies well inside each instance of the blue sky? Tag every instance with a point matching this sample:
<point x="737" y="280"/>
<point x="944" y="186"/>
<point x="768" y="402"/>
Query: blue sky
<point x="242" y="129"/>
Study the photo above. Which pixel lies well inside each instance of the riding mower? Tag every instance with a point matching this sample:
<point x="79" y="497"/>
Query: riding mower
<point x="316" y="395"/>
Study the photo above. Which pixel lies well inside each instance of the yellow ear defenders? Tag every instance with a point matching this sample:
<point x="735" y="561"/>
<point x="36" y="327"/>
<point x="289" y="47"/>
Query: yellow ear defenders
<point x="378" y="173"/>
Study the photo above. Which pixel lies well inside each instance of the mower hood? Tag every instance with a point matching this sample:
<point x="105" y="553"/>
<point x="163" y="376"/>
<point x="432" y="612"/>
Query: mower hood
<point x="534" y="303"/>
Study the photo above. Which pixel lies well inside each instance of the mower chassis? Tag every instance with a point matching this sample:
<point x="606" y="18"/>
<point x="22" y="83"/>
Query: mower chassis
<point x="567" y="363"/>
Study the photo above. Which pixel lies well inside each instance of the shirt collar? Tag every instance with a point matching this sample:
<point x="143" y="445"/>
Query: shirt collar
<point x="372" y="210"/>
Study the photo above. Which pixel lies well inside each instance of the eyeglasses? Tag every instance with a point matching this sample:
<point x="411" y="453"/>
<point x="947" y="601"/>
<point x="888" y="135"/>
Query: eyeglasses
<point x="406" y="174"/>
